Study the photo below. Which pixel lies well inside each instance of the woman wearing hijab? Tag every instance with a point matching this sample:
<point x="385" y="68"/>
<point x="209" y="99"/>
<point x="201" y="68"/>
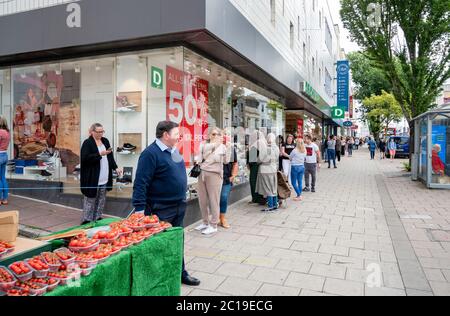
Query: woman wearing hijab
<point x="267" y="184"/>
<point x="253" y="164"/>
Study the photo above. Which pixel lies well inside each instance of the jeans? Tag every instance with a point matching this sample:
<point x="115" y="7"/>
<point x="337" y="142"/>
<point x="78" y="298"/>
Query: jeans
<point x="4" y="189"/>
<point x="372" y="154"/>
<point x="273" y="201"/>
<point x="297" y="173"/>
<point x="172" y="213"/>
<point x="310" y="170"/>
<point x="226" y="190"/>
<point x="350" y="150"/>
<point x="331" y="157"/>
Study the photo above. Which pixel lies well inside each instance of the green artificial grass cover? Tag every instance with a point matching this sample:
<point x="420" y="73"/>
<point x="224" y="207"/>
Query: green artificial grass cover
<point x="152" y="268"/>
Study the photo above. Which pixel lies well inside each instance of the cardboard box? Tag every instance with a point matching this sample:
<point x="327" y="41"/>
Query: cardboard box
<point x="9" y="226"/>
<point x="25" y="248"/>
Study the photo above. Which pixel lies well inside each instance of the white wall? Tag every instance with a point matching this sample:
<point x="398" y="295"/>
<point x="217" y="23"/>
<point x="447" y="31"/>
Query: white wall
<point x="15" y="6"/>
<point x="97" y="98"/>
<point x="310" y="32"/>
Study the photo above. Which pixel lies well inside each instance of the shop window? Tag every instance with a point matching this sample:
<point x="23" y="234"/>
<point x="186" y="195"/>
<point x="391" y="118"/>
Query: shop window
<point x="440" y="146"/>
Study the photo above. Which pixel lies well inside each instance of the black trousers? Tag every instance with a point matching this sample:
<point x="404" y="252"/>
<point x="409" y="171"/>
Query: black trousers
<point x="173" y="213"/>
<point x="338" y="155"/>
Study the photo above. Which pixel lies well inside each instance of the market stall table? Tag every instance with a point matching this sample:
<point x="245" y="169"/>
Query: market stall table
<point x="152" y="268"/>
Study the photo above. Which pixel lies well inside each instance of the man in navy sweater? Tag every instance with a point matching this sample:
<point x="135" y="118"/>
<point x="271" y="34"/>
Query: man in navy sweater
<point x="161" y="182"/>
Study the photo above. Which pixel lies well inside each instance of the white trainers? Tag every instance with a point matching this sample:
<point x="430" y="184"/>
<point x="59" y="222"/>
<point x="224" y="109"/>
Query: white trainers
<point x="209" y="231"/>
<point x="201" y="227"/>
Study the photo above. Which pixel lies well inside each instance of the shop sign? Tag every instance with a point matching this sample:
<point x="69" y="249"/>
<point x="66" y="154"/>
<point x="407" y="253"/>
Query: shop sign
<point x="157" y="76"/>
<point x="343" y="84"/>
<point x="337" y="113"/>
<point x="309" y="91"/>
<point x="355" y="127"/>
<point x="74" y="18"/>
<point x="187" y="104"/>
<point x="348" y="123"/>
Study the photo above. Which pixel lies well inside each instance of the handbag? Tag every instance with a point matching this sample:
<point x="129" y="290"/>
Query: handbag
<point x="197" y="170"/>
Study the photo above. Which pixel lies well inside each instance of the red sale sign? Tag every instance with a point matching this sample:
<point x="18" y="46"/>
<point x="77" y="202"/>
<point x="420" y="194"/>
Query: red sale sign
<point x="300" y="128"/>
<point x="187" y="104"/>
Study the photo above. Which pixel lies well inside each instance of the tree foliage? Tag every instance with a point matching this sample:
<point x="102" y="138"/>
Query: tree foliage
<point x="381" y="111"/>
<point x="411" y="45"/>
<point x="368" y="79"/>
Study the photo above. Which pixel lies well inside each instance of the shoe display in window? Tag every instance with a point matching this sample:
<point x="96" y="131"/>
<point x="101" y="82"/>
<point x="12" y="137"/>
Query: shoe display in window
<point x="45" y="173"/>
<point x="128" y="146"/>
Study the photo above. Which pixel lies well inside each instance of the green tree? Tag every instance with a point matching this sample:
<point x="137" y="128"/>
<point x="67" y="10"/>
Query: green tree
<point x="368" y="79"/>
<point x="409" y="42"/>
<point x="382" y="110"/>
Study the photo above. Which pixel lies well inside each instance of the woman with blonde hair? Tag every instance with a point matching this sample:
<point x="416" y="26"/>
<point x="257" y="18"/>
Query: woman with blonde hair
<point x="5" y="138"/>
<point x="213" y="154"/>
<point x="298" y="158"/>
<point x="267" y="184"/>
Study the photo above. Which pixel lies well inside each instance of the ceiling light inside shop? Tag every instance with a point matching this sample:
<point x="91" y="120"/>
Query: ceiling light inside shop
<point x="23" y="75"/>
<point x="172" y="59"/>
<point x="58" y="70"/>
<point x="39" y="72"/>
<point x="77" y="68"/>
<point x="97" y="67"/>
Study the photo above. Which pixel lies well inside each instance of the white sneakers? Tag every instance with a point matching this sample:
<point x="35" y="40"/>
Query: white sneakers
<point x="209" y="231"/>
<point x="201" y="227"/>
<point x="206" y="229"/>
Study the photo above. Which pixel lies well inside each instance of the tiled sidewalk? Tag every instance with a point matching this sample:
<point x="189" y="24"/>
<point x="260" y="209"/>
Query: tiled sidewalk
<point x="347" y="239"/>
<point x="42" y="215"/>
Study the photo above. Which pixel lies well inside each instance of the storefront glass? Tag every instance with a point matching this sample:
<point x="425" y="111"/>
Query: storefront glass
<point x="423" y="161"/>
<point x="440" y="146"/>
<point x="50" y="108"/>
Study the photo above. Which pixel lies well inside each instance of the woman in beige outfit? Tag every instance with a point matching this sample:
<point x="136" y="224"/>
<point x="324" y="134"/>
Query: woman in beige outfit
<point x="213" y="154"/>
<point x="267" y="184"/>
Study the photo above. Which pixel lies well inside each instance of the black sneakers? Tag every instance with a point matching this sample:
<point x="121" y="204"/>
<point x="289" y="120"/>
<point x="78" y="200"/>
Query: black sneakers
<point x="306" y="189"/>
<point x="45" y="173"/>
<point x="128" y="146"/>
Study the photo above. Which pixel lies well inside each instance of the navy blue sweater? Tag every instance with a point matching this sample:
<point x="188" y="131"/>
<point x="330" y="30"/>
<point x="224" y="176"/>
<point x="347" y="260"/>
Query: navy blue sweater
<point x="159" y="178"/>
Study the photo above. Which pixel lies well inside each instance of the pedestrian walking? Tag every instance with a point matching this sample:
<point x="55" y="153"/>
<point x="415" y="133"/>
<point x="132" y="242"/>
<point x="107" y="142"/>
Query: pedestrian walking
<point x="392" y="149"/>
<point x="357" y="142"/>
<point x="312" y="164"/>
<point x="331" y="151"/>
<point x="298" y="158"/>
<point x="325" y="150"/>
<point x="338" y="148"/>
<point x="267" y="182"/>
<point x="258" y="144"/>
<point x="5" y="139"/>
<point x="343" y="146"/>
<point x="161" y="183"/>
<point x="350" y="144"/>
<point x="286" y="150"/>
<point x="96" y="169"/>
<point x="212" y="156"/>
<point x="382" y="147"/>
<point x="372" y="148"/>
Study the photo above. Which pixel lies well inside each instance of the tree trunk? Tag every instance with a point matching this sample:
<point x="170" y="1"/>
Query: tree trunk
<point x="412" y="131"/>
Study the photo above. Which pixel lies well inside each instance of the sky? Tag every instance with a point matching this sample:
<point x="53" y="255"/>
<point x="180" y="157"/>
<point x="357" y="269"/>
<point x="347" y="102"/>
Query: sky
<point x="346" y="43"/>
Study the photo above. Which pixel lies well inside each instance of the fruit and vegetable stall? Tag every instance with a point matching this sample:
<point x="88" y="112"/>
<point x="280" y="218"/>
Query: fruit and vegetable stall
<point x="137" y="256"/>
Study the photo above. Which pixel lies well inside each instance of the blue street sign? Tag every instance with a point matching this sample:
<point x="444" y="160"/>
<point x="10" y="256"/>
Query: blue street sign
<point x="343" y="84"/>
<point x="348" y="123"/>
